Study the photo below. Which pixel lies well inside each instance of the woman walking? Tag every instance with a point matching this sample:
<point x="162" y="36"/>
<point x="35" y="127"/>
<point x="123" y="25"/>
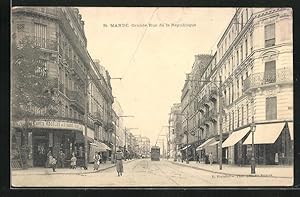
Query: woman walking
<point x="96" y="161"/>
<point x="119" y="162"/>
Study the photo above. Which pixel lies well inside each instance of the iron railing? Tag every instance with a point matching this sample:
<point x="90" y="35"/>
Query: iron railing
<point x="256" y="80"/>
<point x="78" y="70"/>
<point x="77" y="97"/>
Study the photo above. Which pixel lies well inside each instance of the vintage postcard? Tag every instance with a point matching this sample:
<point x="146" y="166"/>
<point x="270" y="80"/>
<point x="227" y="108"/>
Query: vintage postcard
<point x="151" y="97"/>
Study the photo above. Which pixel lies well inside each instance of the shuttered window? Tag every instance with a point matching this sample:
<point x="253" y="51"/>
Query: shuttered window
<point x="40" y="35"/>
<point x="270" y="35"/>
<point x="271" y="108"/>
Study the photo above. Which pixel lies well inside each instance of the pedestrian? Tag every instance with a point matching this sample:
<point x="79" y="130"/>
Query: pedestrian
<point x="210" y="158"/>
<point x="49" y="154"/>
<point x="73" y="161"/>
<point x="53" y="163"/>
<point x="276" y="159"/>
<point x="96" y="161"/>
<point x="61" y="159"/>
<point x="119" y="162"/>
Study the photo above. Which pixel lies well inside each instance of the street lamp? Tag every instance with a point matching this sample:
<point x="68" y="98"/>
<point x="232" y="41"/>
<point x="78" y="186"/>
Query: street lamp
<point x="252" y="129"/>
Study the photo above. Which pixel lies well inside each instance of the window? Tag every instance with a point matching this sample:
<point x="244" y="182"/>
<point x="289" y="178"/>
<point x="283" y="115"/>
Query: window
<point x="229" y="96"/>
<point x="242" y="116"/>
<point x="242" y="21"/>
<point x="242" y="53"/>
<point x="238" y="117"/>
<point x="242" y="81"/>
<point x="238" y="88"/>
<point x="229" y="120"/>
<point x="251" y="43"/>
<point x="232" y="95"/>
<point x="270" y="35"/>
<point x="40" y="35"/>
<point x="271" y="108"/>
<point x="247" y="113"/>
<point x="237" y="57"/>
<point x="247" y="14"/>
<point x="270" y="72"/>
<point x="232" y="120"/>
<point x="246" y="48"/>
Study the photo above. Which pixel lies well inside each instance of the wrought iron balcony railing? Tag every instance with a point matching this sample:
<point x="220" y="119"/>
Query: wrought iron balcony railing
<point x="78" y="70"/>
<point x="61" y="87"/>
<point x="256" y="80"/>
<point x="77" y="98"/>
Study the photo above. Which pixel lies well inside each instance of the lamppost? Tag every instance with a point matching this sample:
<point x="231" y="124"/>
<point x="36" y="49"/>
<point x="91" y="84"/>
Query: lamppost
<point x="252" y="129"/>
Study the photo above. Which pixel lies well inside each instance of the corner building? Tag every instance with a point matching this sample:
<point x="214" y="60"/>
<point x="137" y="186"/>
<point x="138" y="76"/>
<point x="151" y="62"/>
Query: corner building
<point x="60" y="34"/>
<point x="254" y="64"/>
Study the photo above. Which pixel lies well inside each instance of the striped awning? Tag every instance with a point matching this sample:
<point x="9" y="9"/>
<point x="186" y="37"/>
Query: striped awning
<point x="291" y="129"/>
<point x="207" y="142"/>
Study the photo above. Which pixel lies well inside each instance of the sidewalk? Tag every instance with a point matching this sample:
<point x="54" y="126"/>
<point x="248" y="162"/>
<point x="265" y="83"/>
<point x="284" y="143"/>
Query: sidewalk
<point x="48" y="171"/>
<point x="276" y="171"/>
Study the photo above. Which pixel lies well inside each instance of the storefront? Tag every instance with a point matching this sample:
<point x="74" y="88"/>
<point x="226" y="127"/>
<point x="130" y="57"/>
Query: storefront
<point x="235" y="151"/>
<point x="273" y="143"/>
<point x="203" y="150"/>
<point x="53" y="135"/>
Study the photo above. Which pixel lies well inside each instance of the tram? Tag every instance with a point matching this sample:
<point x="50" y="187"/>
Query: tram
<point x="155" y="153"/>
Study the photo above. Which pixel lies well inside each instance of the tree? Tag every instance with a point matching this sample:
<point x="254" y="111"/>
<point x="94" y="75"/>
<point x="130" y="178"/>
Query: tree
<point x="31" y="88"/>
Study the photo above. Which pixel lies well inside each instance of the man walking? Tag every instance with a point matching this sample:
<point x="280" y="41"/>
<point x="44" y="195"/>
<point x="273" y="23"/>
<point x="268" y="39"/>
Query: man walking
<point x="119" y="162"/>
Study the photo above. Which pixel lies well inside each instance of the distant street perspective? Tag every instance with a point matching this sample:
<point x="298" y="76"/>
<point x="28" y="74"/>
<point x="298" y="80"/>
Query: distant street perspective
<point x="151" y="97"/>
<point x="147" y="173"/>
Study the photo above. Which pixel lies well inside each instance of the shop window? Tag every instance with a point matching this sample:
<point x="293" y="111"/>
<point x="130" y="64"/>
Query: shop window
<point x="270" y="35"/>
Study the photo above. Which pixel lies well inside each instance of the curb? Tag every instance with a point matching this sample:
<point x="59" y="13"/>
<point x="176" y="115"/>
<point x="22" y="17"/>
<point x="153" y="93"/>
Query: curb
<point x="226" y="173"/>
<point x="77" y="173"/>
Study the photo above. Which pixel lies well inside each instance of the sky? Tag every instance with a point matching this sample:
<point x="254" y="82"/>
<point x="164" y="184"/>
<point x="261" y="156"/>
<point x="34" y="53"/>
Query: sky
<point x="151" y="59"/>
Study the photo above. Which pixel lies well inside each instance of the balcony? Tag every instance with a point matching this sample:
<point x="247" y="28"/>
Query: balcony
<point x="263" y="79"/>
<point x="77" y="99"/>
<point x="205" y="100"/>
<point x="77" y="70"/>
<point x="42" y="43"/>
<point x="98" y="118"/>
<point x="213" y="94"/>
<point x="61" y="87"/>
<point x="201" y="106"/>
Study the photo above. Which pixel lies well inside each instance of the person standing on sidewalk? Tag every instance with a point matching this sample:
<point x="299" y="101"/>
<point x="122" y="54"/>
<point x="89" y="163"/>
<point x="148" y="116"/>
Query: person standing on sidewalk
<point x="210" y="158"/>
<point x="119" y="162"/>
<point x="73" y="161"/>
<point x="61" y="159"/>
<point x="53" y="163"/>
<point x="96" y="161"/>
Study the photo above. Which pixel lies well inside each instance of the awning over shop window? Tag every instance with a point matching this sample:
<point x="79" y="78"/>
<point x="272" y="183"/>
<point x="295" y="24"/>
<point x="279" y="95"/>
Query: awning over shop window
<point x="291" y="129"/>
<point x="235" y="137"/>
<point x="207" y="142"/>
<point x="215" y="143"/>
<point x="99" y="146"/>
<point x="185" y="147"/>
<point x="265" y="133"/>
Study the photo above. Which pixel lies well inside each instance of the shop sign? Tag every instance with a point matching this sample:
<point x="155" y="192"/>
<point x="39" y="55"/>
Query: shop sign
<point x="56" y="124"/>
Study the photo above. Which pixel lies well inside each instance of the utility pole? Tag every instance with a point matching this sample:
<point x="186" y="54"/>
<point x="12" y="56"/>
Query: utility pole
<point x="187" y="136"/>
<point x="221" y="120"/>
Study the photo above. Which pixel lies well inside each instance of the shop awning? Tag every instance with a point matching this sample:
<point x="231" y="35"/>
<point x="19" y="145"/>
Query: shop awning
<point x="235" y="137"/>
<point x="99" y="146"/>
<point x="207" y="142"/>
<point x="291" y="129"/>
<point x="185" y="147"/>
<point x="215" y="143"/>
<point x="265" y="133"/>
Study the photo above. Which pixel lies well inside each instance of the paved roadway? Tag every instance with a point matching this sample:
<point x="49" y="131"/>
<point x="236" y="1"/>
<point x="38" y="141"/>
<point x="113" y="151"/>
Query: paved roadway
<point x="147" y="173"/>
